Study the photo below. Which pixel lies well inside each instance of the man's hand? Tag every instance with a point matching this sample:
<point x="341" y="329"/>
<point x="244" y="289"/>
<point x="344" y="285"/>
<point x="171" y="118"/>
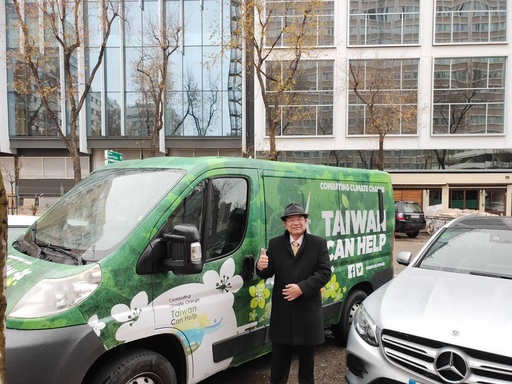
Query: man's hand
<point x="291" y="292"/>
<point x="263" y="260"/>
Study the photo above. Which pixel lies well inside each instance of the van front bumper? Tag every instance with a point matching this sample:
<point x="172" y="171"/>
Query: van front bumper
<point x="50" y="356"/>
<point x="367" y="365"/>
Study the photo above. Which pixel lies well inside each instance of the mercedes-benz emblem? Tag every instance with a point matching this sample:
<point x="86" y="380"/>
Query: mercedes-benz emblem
<point x="451" y="366"/>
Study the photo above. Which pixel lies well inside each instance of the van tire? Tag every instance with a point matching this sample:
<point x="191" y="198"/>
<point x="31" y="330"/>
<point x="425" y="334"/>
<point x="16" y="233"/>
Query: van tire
<point x="352" y="303"/>
<point x="412" y="235"/>
<point x="136" y="366"/>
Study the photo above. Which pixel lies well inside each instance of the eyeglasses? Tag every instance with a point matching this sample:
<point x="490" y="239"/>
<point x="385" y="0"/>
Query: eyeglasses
<point x="295" y="219"/>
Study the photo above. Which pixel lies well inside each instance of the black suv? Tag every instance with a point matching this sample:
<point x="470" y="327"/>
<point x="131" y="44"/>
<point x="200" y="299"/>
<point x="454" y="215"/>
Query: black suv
<point x="409" y="218"/>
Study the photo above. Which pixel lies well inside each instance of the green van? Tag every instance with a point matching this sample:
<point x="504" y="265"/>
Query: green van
<point x="144" y="271"/>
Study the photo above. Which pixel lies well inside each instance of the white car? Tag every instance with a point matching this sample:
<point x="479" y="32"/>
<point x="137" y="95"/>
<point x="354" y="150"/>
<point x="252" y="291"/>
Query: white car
<point x="17" y="224"/>
<point x="447" y="317"/>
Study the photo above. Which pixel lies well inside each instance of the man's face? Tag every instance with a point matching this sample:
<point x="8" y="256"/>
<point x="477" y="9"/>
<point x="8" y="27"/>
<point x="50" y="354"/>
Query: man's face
<point x="296" y="225"/>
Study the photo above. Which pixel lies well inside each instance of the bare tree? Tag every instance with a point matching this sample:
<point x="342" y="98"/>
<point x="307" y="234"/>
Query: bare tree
<point x="454" y="107"/>
<point x="3" y="254"/>
<point x="367" y="163"/>
<point x="279" y="34"/>
<point x="13" y="177"/>
<point x="502" y="158"/>
<point x="457" y="99"/>
<point x="46" y="52"/>
<point x="201" y="107"/>
<point x="441" y="158"/>
<point x="152" y="73"/>
<point x="386" y="104"/>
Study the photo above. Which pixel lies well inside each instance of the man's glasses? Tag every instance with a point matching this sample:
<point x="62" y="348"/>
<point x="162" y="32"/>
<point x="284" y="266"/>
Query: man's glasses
<point x="295" y="219"/>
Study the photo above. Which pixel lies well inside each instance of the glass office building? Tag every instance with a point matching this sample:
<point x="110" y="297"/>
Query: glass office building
<point x="444" y="62"/>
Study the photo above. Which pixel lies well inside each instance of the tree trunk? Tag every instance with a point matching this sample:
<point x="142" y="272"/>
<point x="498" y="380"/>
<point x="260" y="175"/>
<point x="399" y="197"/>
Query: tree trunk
<point x="380" y="153"/>
<point x="77" y="168"/>
<point x="3" y="253"/>
<point x="154" y="142"/>
<point x="441" y="159"/>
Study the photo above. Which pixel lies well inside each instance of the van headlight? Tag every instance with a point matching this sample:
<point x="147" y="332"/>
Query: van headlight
<point x="366" y="327"/>
<point x="52" y="296"/>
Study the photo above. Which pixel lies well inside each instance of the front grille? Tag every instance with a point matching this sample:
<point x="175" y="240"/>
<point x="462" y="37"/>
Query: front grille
<point x="445" y="363"/>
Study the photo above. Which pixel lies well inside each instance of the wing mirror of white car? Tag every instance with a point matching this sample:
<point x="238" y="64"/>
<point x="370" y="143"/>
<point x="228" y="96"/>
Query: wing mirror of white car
<point x="404" y="257"/>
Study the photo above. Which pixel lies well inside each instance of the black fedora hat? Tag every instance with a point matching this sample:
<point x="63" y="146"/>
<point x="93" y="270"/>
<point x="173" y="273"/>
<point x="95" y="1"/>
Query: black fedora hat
<point x="293" y="209"/>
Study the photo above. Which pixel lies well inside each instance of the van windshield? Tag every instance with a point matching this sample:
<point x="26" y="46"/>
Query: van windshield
<point x="97" y="214"/>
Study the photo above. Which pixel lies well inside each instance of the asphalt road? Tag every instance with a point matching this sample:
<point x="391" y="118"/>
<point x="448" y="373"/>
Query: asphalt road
<point x="329" y="357"/>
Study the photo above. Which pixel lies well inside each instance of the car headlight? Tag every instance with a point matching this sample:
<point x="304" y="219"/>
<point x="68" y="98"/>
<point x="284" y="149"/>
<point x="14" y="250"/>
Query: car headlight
<point x="52" y="296"/>
<point x="366" y="327"/>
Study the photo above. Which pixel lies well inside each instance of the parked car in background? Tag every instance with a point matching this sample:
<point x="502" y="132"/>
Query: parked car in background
<point x="409" y="218"/>
<point x="446" y="318"/>
<point x="17" y="224"/>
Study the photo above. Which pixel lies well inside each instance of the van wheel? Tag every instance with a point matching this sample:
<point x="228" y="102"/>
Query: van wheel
<point x="412" y="235"/>
<point x="136" y="367"/>
<point x="353" y="301"/>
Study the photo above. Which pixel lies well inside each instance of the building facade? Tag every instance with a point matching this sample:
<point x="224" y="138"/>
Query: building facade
<point x="444" y="63"/>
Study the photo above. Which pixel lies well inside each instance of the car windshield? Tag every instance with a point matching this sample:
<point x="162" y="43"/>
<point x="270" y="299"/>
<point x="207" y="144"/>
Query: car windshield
<point x="412" y="208"/>
<point x="483" y="250"/>
<point x="98" y="213"/>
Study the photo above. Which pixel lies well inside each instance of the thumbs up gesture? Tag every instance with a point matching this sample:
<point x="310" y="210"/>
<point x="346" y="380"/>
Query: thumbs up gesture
<point x="263" y="260"/>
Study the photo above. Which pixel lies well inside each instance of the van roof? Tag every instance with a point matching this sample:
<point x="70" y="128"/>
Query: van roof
<point x="199" y="164"/>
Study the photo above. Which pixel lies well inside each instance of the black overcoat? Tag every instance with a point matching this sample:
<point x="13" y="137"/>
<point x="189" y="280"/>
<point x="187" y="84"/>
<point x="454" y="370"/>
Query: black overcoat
<point x="297" y="322"/>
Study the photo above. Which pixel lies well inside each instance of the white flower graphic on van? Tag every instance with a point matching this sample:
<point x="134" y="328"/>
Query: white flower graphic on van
<point x="96" y="325"/>
<point x="136" y="319"/>
<point x="192" y="311"/>
<point x="227" y="281"/>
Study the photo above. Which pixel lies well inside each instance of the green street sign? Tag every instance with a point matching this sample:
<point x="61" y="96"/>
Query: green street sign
<point x="112" y="157"/>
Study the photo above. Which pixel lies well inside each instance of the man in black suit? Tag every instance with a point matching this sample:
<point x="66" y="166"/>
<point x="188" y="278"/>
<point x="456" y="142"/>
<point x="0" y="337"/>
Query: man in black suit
<point x="300" y="265"/>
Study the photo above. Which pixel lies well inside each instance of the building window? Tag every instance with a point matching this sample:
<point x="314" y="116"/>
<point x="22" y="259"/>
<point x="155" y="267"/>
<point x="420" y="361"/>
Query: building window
<point x="384" y="22"/>
<point x="205" y="98"/>
<point x="468" y="21"/>
<point x="464" y="199"/>
<point x="307" y="109"/>
<point x="383" y="97"/>
<point x="495" y="200"/>
<point x="435" y="196"/>
<point x="284" y="17"/>
<point x="425" y="160"/>
<point x="469" y="95"/>
<point x="27" y="113"/>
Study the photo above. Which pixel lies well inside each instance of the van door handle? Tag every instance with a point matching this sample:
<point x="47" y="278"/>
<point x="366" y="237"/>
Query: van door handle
<point x="248" y="267"/>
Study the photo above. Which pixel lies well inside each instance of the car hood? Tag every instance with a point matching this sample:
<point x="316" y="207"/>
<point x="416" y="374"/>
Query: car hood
<point x="458" y="309"/>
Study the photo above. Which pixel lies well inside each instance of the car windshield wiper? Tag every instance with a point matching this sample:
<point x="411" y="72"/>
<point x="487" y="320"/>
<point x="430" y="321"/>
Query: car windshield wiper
<point x="49" y="250"/>
<point x="490" y="274"/>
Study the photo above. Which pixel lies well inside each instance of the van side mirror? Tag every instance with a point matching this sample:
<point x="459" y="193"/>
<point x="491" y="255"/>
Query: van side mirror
<point x="184" y="255"/>
<point x="179" y="252"/>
